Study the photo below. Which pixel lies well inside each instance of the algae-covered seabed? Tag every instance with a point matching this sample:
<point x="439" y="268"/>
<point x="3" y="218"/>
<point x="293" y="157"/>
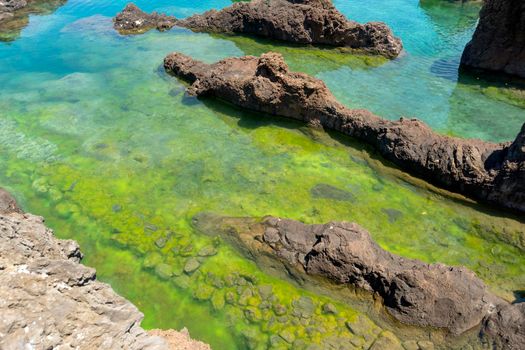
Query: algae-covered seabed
<point x="96" y="138"/>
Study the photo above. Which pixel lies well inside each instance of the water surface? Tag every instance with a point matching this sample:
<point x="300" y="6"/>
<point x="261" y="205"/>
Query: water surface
<point x="97" y="139"/>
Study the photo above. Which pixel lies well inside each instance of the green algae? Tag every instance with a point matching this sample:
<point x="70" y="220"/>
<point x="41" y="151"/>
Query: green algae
<point x="113" y="153"/>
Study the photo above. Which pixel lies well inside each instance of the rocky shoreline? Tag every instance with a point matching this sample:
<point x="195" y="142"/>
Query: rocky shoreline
<point x="315" y="22"/>
<point x="49" y="300"/>
<point x="488" y="172"/>
<point x="413" y="292"/>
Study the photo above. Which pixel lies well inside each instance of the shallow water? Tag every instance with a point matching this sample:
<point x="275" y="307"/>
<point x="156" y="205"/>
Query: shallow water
<point x="96" y="138"/>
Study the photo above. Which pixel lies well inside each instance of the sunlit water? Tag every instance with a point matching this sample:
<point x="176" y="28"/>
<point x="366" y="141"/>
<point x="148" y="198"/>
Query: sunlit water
<point x="97" y="139"/>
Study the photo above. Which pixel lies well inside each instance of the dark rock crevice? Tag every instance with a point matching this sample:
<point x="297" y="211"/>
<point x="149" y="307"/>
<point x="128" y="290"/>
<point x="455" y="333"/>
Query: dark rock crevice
<point x="493" y="173"/>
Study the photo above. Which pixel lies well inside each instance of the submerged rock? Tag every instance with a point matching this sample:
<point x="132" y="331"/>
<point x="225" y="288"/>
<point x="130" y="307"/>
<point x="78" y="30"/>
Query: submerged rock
<point x="493" y="173"/>
<point x="315" y="22"/>
<point x="498" y="43"/>
<point x="48" y="300"/>
<point x="416" y="293"/>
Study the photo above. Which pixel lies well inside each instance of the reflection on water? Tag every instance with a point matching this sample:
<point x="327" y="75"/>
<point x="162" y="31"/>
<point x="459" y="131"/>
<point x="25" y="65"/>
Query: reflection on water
<point x="96" y="138"/>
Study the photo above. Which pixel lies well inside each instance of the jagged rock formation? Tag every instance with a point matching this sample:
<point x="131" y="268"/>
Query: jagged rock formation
<point x="133" y="20"/>
<point x="314" y="22"/>
<point x="485" y="171"/>
<point x="498" y="43"/>
<point x="49" y="300"/>
<point x="415" y="293"/>
<point x="14" y="14"/>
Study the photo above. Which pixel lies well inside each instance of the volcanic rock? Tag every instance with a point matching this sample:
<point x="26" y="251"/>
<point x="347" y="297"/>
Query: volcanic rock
<point x="498" y="43"/>
<point x="315" y="22"/>
<point x="485" y="171"/>
<point x="415" y="293"/>
<point x="48" y="300"/>
<point x="133" y="20"/>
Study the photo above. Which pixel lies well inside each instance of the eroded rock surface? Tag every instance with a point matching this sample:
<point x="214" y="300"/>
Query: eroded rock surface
<point x="133" y="20"/>
<point x="485" y="171"/>
<point x="498" y="43"/>
<point x="49" y="300"/>
<point x="415" y="293"/>
<point x="314" y="22"/>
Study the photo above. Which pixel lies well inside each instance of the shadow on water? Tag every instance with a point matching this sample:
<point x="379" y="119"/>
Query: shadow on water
<point x="10" y="28"/>
<point x="383" y="167"/>
<point x="309" y="59"/>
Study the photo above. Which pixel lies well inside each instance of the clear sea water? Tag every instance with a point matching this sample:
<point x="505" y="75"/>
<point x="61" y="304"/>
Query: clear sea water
<point x="96" y="138"/>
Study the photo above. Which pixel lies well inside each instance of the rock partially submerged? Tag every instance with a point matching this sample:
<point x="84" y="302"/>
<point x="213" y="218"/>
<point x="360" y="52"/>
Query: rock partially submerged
<point x="315" y="22"/>
<point x="133" y="20"/>
<point x="14" y="14"/>
<point x="49" y="300"/>
<point x="498" y="43"/>
<point x="493" y="173"/>
<point x="416" y="293"/>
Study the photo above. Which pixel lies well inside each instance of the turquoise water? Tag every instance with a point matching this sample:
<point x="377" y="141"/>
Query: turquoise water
<point x="96" y="138"/>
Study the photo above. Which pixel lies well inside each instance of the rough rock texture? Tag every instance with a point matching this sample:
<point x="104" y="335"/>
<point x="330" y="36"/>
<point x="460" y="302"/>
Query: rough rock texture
<point x="133" y="20"/>
<point x="414" y="292"/>
<point x="14" y="14"/>
<point x="314" y="22"/>
<point x="179" y="340"/>
<point x="485" y="171"/>
<point x="49" y="300"/>
<point x="506" y="327"/>
<point x="498" y="43"/>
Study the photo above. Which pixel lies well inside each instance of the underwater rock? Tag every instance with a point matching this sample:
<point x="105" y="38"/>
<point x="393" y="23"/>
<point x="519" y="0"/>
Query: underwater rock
<point x="415" y="293"/>
<point x="48" y="300"/>
<point x="498" y="44"/>
<point x="330" y="192"/>
<point x="315" y="22"/>
<point x="133" y="20"/>
<point x="191" y="265"/>
<point x="485" y="171"/>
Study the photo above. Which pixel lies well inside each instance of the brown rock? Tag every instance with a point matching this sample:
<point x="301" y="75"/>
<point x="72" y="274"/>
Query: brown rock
<point x="485" y="171"/>
<point x="498" y="43"/>
<point x="314" y="22"/>
<point x="133" y="20"/>
<point x="505" y="329"/>
<point x="416" y="293"/>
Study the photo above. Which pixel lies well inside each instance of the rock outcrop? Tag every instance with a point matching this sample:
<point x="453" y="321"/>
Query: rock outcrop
<point x="49" y="300"/>
<point x="315" y="22"/>
<point x="133" y="20"/>
<point x="416" y="293"/>
<point x="498" y="43"/>
<point x="485" y="171"/>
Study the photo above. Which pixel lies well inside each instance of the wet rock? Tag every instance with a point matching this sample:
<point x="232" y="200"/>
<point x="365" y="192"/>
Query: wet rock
<point x="192" y="264"/>
<point x="425" y="345"/>
<point x="265" y="291"/>
<point x="203" y="293"/>
<point x="303" y="307"/>
<point x="279" y="309"/>
<point x="498" y="43"/>
<point x="329" y="308"/>
<point x="133" y="20"/>
<point x="387" y="340"/>
<point x="207" y="251"/>
<point x="505" y="329"/>
<point x="287" y="335"/>
<point x="218" y="301"/>
<point x="393" y="214"/>
<point x="164" y="271"/>
<point x="331" y="192"/>
<point x="314" y="22"/>
<point x="161" y="242"/>
<point x="493" y="173"/>
<point x="415" y="293"/>
<point x="47" y="296"/>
